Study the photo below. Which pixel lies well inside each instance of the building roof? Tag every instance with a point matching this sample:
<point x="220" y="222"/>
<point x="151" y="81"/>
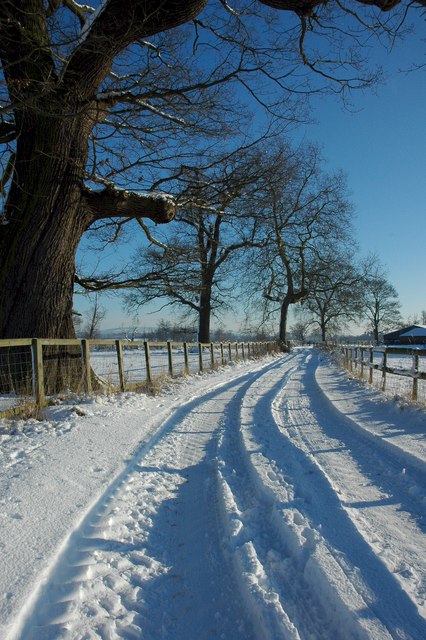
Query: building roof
<point x="415" y="330"/>
<point x="412" y="331"/>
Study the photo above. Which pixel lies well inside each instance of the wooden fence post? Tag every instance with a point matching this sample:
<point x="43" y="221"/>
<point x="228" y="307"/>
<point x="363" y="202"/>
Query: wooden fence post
<point x="119" y="349"/>
<point x="148" y="363"/>
<point x="370" y="374"/>
<point x="170" y="358"/>
<point x="186" y="358"/>
<point x="236" y="352"/>
<point x="362" y="363"/>
<point x="86" y="364"/>
<point x="243" y="352"/>
<point x="415" y="378"/>
<point x="38" y="373"/>
<point x="211" y="355"/>
<point x="222" y="354"/>
<point x="200" y="357"/>
<point x="384" y="365"/>
<point x="230" y="352"/>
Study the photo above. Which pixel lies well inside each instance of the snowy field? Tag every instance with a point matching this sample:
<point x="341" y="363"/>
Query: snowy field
<point x="270" y="500"/>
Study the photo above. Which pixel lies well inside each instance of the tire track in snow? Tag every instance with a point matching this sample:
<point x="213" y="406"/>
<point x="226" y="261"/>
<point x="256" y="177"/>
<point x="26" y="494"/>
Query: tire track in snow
<point x="115" y="573"/>
<point x="340" y="569"/>
<point x="392" y="467"/>
<point x="252" y="557"/>
<point x="287" y="560"/>
<point x="269" y="581"/>
<point x="387" y="506"/>
<point x="327" y="505"/>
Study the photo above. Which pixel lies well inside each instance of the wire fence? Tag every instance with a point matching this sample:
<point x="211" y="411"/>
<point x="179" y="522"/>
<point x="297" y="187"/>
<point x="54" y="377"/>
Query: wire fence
<point x="396" y="371"/>
<point x="32" y="371"/>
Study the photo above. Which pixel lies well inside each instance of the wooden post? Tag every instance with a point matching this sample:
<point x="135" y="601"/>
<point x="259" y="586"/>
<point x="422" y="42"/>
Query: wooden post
<point x="370" y="374"/>
<point x="384" y="365"/>
<point x="186" y="358"/>
<point x="362" y="363"/>
<point x="230" y="352"/>
<point x="170" y="358"/>
<point x="242" y="351"/>
<point x="119" y="349"/>
<point x="148" y="363"/>
<point x="222" y="354"/>
<point x="415" y="378"/>
<point x="200" y="357"/>
<point x="211" y="355"/>
<point x="38" y="373"/>
<point x="236" y="352"/>
<point x="87" y="373"/>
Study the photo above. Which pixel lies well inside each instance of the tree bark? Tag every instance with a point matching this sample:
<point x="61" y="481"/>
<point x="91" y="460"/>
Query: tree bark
<point x="45" y="224"/>
<point x="283" y="319"/>
<point x="290" y="298"/>
<point x="204" y="315"/>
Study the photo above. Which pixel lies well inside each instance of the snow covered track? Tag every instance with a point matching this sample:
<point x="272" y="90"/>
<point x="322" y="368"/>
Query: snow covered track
<point x="281" y="501"/>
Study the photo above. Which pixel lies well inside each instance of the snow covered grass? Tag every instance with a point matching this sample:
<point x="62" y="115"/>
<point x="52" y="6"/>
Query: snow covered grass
<point x="276" y="499"/>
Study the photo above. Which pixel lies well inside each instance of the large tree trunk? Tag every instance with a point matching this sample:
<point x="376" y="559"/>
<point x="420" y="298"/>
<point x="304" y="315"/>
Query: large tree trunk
<point x="323" y="331"/>
<point x="285" y="305"/>
<point x="204" y="317"/>
<point x="38" y="247"/>
<point x="46" y="223"/>
<point x="291" y="297"/>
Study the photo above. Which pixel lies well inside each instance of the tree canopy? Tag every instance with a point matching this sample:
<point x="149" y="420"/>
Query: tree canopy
<point x="97" y="100"/>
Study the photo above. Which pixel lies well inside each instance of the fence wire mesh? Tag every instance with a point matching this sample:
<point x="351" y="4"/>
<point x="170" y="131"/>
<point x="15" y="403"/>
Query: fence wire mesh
<point x="16" y="376"/>
<point x="104" y="364"/>
<point x="63" y="369"/>
<point x="178" y="352"/>
<point x="159" y="359"/>
<point x="393" y="373"/>
<point x="31" y="371"/>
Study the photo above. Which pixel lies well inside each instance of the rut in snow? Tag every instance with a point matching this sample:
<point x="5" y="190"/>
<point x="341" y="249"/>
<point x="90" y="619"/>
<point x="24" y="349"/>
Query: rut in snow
<point x="256" y="511"/>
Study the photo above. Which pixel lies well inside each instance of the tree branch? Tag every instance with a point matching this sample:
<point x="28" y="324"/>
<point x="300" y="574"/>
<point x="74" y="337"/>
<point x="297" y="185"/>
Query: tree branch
<point x="7" y="132"/>
<point x="115" y="203"/>
<point x="115" y="26"/>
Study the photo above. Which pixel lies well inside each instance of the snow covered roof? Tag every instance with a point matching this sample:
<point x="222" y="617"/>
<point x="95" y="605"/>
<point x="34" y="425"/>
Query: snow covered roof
<point x="415" y="330"/>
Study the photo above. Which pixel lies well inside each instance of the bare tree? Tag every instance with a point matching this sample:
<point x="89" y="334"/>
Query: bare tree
<point x="304" y="210"/>
<point x="95" y="316"/>
<point x="417" y="318"/>
<point x="88" y="98"/>
<point x="335" y="291"/>
<point x="381" y="302"/>
<point x="195" y="269"/>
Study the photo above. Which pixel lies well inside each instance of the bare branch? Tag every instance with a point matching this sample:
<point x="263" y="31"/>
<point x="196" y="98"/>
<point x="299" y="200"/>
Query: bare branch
<point x="149" y="236"/>
<point x="115" y="203"/>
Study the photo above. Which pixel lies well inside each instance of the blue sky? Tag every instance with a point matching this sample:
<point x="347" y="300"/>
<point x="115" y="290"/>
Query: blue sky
<point x="380" y="143"/>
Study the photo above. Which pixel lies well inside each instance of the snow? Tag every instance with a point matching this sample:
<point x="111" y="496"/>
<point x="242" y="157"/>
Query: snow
<point x="276" y="499"/>
<point x="418" y="330"/>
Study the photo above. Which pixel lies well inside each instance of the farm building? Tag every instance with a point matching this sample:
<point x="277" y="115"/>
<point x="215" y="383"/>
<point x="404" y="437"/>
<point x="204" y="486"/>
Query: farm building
<point x="414" y="334"/>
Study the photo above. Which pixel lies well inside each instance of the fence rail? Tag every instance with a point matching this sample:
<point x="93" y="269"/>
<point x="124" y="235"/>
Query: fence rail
<point x="33" y="370"/>
<point x="395" y="370"/>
